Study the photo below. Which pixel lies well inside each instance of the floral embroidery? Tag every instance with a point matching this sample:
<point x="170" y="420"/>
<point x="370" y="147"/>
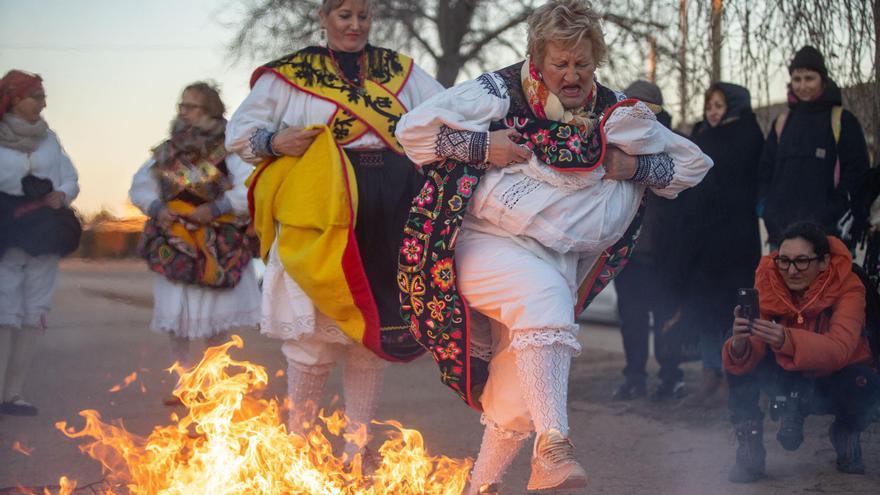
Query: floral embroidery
<point x="443" y="275"/>
<point x="451" y="351"/>
<point x="412" y="250"/>
<point x="436" y="306"/>
<point x="540" y="137"/>
<point x="426" y="195"/>
<point x="455" y="203"/>
<point x="466" y="184"/>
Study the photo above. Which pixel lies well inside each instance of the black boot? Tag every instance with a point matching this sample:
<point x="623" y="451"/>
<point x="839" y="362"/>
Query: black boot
<point x="629" y="390"/>
<point x="848" y="445"/>
<point x="669" y="390"/>
<point x="750" y="453"/>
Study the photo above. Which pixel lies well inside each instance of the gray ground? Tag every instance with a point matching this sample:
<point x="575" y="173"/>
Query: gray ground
<point x="100" y="335"/>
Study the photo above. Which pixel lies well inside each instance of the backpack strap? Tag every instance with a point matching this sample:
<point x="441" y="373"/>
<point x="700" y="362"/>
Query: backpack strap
<point x="836" y="116"/>
<point x="779" y="125"/>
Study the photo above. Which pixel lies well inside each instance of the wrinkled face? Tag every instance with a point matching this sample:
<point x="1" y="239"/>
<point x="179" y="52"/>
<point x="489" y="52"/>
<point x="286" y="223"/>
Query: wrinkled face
<point x="806" y="84"/>
<point x="568" y="72"/>
<point x="348" y="26"/>
<point x="30" y="107"/>
<point x="798" y="251"/>
<point x="190" y="109"/>
<point x="715" y="109"/>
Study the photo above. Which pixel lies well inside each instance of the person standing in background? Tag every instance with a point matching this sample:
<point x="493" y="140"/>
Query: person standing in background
<point x="37" y="184"/>
<point x="196" y="238"/>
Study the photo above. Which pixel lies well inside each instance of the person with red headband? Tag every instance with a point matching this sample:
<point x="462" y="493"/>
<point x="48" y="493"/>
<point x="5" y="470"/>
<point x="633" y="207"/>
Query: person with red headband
<point x="37" y="184"/>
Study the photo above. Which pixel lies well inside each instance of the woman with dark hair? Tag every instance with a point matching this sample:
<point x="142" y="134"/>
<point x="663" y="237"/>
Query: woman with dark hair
<point x="37" y="184"/>
<point x="817" y="145"/>
<point x="196" y="240"/>
<point x="805" y="347"/>
<point x="720" y="236"/>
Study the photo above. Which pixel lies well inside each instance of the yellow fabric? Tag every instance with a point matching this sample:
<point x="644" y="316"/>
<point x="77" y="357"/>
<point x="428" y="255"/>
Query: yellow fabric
<point x="309" y="203"/>
<point x="196" y="238"/>
<point x="836" y="116"/>
<point x="378" y="111"/>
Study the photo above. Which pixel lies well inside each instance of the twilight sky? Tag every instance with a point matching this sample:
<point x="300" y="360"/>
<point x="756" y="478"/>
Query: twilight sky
<point x="113" y="71"/>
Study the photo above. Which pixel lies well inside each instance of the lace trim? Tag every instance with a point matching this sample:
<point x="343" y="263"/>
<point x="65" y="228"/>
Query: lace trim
<point x="566" y="181"/>
<point x="204" y="327"/>
<point x="311" y="369"/>
<point x="518" y="191"/>
<point x="541" y="337"/>
<point x="261" y="142"/>
<point x="637" y="111"/>
<point x="655" y="171"/>
<point x="482" y="352"/>
<point x="502" y="432"/>
<point x="302" y="327"/>
<point x="493" y="85"/>
<point x="464" y="146"/>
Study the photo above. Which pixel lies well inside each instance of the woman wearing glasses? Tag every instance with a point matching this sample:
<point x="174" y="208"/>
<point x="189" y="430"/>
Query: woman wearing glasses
<point x="37" y="184"/>
<point x="196" y="240"/>
<point x="805" y="348"/>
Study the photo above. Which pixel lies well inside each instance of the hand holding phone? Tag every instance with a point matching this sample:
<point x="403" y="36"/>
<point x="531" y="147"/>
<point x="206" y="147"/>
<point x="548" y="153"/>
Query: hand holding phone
<point x="747" y="300"/>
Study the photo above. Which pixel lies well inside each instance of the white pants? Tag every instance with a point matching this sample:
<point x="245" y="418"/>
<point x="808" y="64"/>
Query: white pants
<point x="528" y="292"/>
<point x="27" y="284"/>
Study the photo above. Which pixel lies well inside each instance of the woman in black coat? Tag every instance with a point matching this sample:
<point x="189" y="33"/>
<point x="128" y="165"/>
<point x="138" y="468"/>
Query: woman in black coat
<point x="720" y="231"/>
<point x="807" y="173"/>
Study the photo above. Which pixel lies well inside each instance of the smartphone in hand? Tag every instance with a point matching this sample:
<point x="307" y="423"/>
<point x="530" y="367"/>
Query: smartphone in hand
<point x="747" y="300"/>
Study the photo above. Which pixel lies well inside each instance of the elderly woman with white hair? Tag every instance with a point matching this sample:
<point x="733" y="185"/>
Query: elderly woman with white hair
<point x="535" y="176"/>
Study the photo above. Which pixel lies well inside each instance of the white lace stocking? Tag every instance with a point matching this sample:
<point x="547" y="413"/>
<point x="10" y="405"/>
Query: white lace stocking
<point x="497" y="452"/>
<point x="305" y="387"/>
<point x="543" y="375"/>
<point x="362" y="382"/>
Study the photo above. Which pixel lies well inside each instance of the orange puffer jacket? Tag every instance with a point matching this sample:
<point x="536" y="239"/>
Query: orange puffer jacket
<point x="823" y="330"/>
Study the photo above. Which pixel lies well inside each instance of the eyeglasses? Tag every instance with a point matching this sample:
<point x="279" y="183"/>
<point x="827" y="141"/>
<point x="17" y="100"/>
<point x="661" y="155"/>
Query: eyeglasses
<point x="800" y="263"/>
<point x="187" y="106"/>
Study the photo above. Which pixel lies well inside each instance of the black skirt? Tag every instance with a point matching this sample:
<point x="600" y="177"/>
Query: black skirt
<point x="386" y="184"/>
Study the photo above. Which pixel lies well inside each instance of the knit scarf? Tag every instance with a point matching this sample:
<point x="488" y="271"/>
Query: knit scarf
<point x="546" y="105"/>
<point x="21" y="135"/>
<point x="189" y="160"/>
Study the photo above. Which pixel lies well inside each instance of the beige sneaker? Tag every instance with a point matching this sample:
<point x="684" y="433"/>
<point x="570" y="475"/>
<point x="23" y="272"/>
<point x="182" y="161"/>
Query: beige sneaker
<point x="553" y="464"/>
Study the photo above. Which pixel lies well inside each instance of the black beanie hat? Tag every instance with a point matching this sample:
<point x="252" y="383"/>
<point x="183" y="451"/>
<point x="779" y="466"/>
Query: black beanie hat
<point x="809" y="58"/>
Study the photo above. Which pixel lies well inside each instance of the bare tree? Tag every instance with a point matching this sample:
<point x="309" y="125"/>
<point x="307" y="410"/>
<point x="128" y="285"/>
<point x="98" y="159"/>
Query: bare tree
<point x="453" y="34"/>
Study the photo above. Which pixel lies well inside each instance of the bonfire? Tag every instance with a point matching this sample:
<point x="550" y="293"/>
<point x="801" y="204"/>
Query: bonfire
<point x="232" y="441"/>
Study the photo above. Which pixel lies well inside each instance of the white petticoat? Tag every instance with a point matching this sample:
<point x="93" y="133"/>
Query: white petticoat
<point x="197" y="312"/>
<point x="287" y="311"/>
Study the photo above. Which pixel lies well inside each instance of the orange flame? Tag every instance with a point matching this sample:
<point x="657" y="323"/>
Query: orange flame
<point x="232" y="442"/>
<point x="128" y="380"/>
<point x="18" y="447"/>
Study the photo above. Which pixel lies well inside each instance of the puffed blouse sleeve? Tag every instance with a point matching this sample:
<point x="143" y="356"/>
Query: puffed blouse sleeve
<point x="455" y="122"/>
<point x="667" y="162"/>
<point x="239" y="171"/>
<point x="69" y="178"/>
<point x="420" y="87"/>
<point x="144" y="191"/>
<point x="259" y="116"/>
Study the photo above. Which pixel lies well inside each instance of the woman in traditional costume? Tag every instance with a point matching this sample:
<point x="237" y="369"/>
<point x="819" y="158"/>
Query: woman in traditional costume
<point x="37" y="184"/>
<point x="528" y="239"/>
<point x="329" y="201"/>
<point x="196" y="239"/>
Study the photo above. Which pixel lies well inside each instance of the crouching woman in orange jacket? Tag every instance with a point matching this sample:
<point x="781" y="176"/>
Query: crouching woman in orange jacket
<point x="806" y="349"/>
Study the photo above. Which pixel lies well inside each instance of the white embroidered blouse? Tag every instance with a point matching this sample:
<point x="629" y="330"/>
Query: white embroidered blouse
<point x="273" y="104"/>
<point x="565" y="211"/>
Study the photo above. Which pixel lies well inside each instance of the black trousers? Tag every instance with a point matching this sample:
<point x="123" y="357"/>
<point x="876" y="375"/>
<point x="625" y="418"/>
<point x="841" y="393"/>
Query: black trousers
<point x="644" y="303"/>
<point x="851" y="394"/>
